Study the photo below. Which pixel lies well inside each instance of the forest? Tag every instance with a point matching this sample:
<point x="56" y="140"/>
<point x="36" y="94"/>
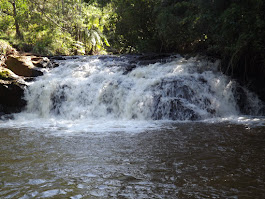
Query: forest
<point x="230" y="30"/>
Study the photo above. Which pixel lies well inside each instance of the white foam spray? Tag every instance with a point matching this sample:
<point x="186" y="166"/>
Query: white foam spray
<point x="114" y="94"/>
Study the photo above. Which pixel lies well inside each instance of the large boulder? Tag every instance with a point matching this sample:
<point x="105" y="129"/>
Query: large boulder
<point x="22" y="66"/>
<point x="11" y="92"/>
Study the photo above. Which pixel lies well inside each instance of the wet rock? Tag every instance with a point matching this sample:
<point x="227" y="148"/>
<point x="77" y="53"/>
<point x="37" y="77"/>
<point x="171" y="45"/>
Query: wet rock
<point x="11" y="92"/>
<point x="247" y="101"/>
<point x="58" y="98"/>
<point x="170" y="103"/>
<point x="129" y="68"/>
<point x="110" y="58"/>
<point x="4" y="116"/>
<point x="42" y="62"/>
<point x="154" y="56"/>
<point x="62" y="57"/>
<point x="11" y="96"/>
<point x="58" y="57"/>
<point x="29" y="79"/>
<point x="151" y="58"/>
<point x="175" y="99"/>
<point x="262" y="111"/>
<point x="241" y="99"/>
<point x="177" y="88"/>
<point x="22" y="66"/>
<point x="174" y="109"/>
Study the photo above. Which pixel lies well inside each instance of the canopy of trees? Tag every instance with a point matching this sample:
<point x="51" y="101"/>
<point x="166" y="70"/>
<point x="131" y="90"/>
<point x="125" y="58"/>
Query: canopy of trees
<point x="218" y="27"/>
<point x="54" y="26"/>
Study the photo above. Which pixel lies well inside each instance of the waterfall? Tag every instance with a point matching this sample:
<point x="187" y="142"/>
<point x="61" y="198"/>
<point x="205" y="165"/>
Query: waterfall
<point x="123" y="88"/>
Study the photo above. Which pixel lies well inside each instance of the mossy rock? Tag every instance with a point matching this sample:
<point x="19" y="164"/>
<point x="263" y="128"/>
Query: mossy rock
<point x="6" y="74"/>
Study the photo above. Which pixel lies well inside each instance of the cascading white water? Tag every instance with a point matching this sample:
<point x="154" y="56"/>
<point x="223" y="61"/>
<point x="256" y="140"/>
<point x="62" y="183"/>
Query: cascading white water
<point x="113" y="88"/>
<point x="93" y="88"/>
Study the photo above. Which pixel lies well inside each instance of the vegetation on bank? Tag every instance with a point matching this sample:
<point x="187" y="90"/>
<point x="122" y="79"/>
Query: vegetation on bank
<point x="231" y="30"/>
<point x="5" y="47"/>
<point x="51" y="27"/>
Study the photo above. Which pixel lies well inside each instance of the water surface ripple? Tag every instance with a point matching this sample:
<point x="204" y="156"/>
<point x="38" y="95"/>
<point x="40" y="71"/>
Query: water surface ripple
<point x="190" y="160"/>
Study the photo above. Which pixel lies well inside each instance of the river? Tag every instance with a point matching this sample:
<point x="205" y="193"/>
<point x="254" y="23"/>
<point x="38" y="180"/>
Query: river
<point x="93" y="129"/>
<point x="191" y="160"/>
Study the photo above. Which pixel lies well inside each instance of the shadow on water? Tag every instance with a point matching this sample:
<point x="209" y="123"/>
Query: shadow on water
<point x="191" y="160"/>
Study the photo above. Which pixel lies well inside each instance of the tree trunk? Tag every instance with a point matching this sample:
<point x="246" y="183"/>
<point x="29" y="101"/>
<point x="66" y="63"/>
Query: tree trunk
<point x="18" y="33"/>
<point x="62" y="7"/>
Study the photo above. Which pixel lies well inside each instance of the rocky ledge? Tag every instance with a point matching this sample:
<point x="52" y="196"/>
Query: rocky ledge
<point x="15" y="70"/>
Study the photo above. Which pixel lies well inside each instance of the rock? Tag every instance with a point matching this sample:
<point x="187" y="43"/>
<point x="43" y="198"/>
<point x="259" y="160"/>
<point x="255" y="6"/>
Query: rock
<point x="4" y="116"/>
<point x="11" y="92"/>
<point x="22" y="65"/>
<point x="58" y="57"/>
<point x="58" y="98"/>
<point x="152" y="58"/>
<point x="41" y="62"/>
<point x="241" y="99"/>
<point x="175" y="99"/>
<point x="6" y="74"/>
<point x="62" y="57"/>
<point x="262" y="111"/>
<point x="244" y="100"/>
<point x="174" y="109"/>
<point x="11" y="96"/>
<point x="129" y="68"/>
<point x="14" y="71"/>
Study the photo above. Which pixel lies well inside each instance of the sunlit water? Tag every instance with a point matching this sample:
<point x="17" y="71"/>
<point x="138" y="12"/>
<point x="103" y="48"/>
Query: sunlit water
<point x="95" y="129"/>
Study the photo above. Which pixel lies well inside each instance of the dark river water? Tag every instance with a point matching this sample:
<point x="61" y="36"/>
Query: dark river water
<point x="190" y="160"/>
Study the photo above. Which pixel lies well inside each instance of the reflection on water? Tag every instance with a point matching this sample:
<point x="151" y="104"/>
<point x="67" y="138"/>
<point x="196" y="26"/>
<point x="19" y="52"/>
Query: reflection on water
<point x="192" y="160"/>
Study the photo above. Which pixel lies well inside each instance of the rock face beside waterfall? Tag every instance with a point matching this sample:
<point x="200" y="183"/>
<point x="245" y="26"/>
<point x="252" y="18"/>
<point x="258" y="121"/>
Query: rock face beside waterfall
<point x="14" y="69"/>
<point x="11" y="92"/>
<point x="11" y="97"/>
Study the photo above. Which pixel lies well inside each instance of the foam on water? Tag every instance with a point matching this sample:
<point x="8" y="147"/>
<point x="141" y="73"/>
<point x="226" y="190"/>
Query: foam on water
<point x="90" y="94"/>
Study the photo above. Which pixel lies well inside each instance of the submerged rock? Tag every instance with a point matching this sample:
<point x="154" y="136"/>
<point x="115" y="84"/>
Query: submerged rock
<point x="58" y="98"/>
<point x="174" y="109"/>
<point x="177" y="99"/>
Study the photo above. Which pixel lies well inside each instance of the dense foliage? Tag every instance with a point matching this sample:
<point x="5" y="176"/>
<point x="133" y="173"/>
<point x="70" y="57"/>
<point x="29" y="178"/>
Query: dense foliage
<point x="233" y="30"/>
<point x="217" y="27"/>
<point x="53" y="26"/>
